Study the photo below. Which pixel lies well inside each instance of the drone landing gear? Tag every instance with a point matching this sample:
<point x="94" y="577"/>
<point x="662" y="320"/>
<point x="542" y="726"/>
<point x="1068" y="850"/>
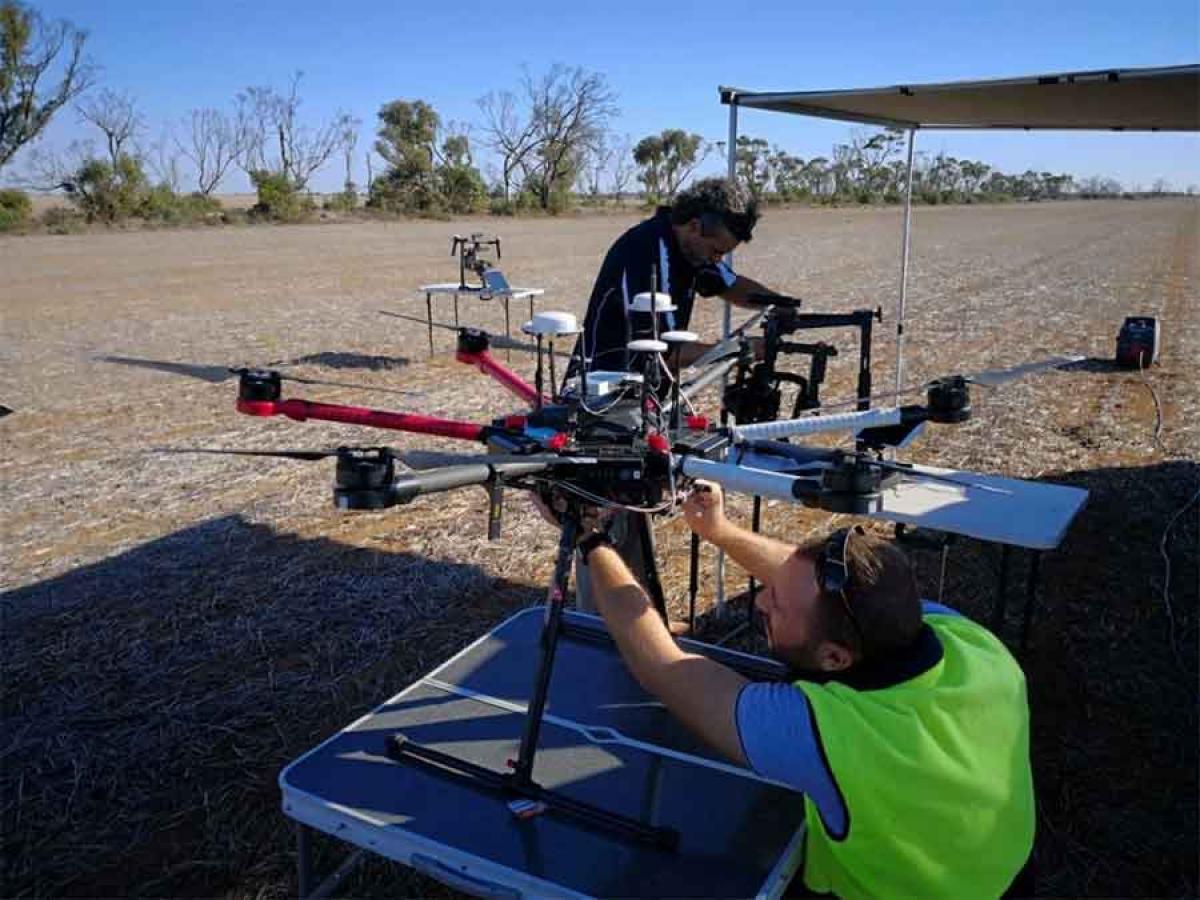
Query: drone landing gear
<point x="518" y="783"/>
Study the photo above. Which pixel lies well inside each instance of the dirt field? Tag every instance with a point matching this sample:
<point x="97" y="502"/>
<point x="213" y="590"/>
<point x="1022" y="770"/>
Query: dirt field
<point x="177" y="628"/>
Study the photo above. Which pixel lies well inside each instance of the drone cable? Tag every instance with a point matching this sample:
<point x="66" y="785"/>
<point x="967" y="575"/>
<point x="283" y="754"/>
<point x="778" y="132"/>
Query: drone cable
<point x="1162" y="549"/>
<point x="1158" y="413"/>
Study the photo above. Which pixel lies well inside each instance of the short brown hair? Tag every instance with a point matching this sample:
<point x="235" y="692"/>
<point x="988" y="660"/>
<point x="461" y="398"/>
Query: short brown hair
<point x="721" y="199"/>
<point x="881" y="591"/>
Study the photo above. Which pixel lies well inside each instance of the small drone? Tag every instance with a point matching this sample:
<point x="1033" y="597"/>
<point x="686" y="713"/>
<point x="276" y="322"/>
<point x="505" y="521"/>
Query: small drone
<point x="631" y="440"/>
<point x="469" y="251"/>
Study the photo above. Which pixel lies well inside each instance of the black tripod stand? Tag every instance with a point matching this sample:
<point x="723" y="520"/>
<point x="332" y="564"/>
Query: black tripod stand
<point x="519" y="783"/>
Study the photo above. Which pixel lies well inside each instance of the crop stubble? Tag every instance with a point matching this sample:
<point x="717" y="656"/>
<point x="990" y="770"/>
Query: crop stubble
<point x="176" y="628"/>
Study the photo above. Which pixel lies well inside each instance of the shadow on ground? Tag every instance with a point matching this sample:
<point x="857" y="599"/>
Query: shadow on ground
<point x="1112" y="683"/>
<point x="151" y="699"/>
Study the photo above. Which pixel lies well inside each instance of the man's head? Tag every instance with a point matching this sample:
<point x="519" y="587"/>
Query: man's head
<point x="711" y="218"/>
<point x="840" y="600"/>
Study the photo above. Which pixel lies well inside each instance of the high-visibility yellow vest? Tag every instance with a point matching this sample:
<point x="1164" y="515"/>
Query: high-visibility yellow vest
<point x="934" y="773"/>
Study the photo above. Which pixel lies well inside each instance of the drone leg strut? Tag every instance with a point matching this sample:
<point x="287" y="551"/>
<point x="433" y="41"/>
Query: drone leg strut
<point x="519" y="782"/>
<point x="650" y="562"/>
<point x="555" y="600"/>
<point x="429" y="318"/>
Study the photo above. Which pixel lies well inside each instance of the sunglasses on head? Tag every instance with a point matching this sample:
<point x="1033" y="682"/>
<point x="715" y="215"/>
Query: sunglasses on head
<point x="833" y="573"/>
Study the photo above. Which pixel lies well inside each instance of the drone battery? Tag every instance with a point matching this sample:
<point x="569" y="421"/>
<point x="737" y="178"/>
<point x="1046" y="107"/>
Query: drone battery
<point x="1138" y="342"/>
<point x="600" y="383"/>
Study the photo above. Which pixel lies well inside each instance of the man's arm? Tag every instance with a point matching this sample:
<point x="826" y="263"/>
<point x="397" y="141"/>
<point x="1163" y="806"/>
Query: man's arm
<point x="699" y="692"/>
<point x="704" y="512"/>
<point x="742" y="290"/>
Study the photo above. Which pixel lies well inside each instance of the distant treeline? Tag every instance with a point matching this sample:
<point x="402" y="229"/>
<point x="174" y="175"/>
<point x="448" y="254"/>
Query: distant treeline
<point x="548" y="140"/>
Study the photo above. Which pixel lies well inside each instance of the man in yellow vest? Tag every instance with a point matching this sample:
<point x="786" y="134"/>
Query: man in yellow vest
<point x="906" y="727"/>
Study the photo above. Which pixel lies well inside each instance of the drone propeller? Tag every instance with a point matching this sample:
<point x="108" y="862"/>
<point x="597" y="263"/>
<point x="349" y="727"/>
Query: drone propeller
<point x="218" y="374"/>
<point x="995" y="377"/>
<point x="306" y="455"/>
<point x="986" y="378"/>
<point x="500" y="342"/>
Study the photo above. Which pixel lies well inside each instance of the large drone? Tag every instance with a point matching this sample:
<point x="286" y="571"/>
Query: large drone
<point x="631" y="440"/>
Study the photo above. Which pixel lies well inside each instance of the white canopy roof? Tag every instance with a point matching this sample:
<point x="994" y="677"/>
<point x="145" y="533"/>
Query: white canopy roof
<point x="1159" y="99"/>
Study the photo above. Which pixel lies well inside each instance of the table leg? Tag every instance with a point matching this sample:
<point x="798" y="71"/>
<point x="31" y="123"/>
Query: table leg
<point x="303" y="860"/>
<point x="1002" y="593"/>
<point x="507" y="331"/>
<point x="429" y="319"/>
<point x="456" y="310"/>
<point x="1031" y="587"/>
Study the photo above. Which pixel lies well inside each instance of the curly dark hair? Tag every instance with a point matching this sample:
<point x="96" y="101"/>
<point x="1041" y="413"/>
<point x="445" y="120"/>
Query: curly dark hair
<point x="717" y="199"/>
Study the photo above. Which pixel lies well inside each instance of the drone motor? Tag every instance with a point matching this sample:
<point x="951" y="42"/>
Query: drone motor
<point x="852" y="485"/>
<point x="363" y="478"/>
<point x="949" y="400"/>
<point x="259" y="385"/>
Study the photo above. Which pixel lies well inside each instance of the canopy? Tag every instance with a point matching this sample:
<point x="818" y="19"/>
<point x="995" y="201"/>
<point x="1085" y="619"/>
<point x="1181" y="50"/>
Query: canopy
<point x="1158" y="99"/>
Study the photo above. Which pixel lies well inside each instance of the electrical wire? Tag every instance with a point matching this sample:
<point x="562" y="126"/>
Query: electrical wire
<point x="1158" y="412"/>
<point x="1162" y="549"/>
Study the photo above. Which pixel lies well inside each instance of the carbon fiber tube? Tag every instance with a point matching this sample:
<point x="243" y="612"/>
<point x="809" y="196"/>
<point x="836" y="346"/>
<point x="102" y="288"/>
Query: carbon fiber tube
<point x="755" y="482"/>
<point x="413" y="484"/>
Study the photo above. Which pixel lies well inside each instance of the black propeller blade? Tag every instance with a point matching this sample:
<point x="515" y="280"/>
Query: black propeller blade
<point x="306" y="455"/>
<point x="985" y="378"/>
<point x="500" y="342"/>
<point x="994" y="377"/>
<point x="218" y="374"/>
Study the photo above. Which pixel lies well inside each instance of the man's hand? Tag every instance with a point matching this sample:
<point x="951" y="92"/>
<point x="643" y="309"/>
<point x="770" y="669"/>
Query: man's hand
<point x="554" y="507"/>
<point x="704" y="510"/>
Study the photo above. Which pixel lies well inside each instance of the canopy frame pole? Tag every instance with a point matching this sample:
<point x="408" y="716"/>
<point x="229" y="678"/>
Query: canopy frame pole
<point x="727" y="327"/>
<point x="904" y="247"/>
<point x="727" y="323"/>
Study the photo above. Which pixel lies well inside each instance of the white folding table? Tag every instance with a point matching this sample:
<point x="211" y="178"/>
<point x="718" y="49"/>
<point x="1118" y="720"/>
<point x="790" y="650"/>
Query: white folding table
<point x="604" y="741"/>
<point x="456" y="289"/>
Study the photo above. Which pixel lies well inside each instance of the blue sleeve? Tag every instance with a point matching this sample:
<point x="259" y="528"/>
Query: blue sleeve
<point x="929" y="608"/>
<point x="779" y="740"/>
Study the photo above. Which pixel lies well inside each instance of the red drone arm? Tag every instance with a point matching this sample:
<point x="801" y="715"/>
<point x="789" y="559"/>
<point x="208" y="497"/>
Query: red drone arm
<point x="357" y="415"/>
<point x="484" y="361"/>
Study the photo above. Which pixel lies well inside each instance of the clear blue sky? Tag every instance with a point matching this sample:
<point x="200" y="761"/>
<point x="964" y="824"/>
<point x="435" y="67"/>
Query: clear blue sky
<point x="664" y="60"/>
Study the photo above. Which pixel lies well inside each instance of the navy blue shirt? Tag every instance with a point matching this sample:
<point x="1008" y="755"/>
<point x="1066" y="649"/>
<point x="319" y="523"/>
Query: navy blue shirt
<point x="648" y="247"/>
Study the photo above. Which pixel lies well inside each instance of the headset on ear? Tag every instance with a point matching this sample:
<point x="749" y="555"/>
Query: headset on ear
<point x="833" y="573"/>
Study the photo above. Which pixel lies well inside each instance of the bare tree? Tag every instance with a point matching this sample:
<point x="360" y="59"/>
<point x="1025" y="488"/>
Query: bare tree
<point x="162" y="157"/>
<point x="50" y="169"/>
<point x="545" y="135"/>
<point x="624" y="167"/>
<point x="276" y="140"/>
<point x="597" y="160"/>
<point x="510" y="134"/>
<point x="213" y="141"/>
<point x="29" y="48"/>
<point x="116" y="115"/>
<point x="569" y="108"/>
<point x="349" y="143"/>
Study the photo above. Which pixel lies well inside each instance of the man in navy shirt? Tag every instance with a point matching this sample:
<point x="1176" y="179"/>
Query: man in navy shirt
<point x="678" y="251"/>
<point x="681" y="246"/>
